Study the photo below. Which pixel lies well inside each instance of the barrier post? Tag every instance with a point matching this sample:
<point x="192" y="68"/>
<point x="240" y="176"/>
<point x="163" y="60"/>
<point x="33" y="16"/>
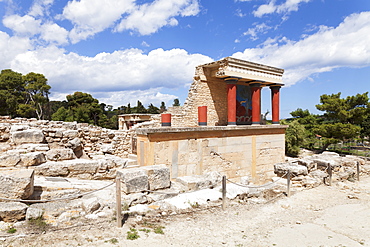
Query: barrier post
<point x="358" y="170"/>
<point x="288" y="184"/>
<point x="330" y="172"/>
<point x="118" y="202"/>
<point x="223" y="192"/>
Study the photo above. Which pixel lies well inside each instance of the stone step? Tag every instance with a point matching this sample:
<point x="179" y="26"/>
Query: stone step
<point x="132" y="157"/>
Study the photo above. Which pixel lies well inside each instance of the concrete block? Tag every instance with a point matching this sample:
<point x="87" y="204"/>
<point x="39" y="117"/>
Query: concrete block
<point x="16" y="184"/>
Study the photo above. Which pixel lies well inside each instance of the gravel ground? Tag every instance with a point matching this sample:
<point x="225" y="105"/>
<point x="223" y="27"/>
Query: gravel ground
<point x="323" y="216"/>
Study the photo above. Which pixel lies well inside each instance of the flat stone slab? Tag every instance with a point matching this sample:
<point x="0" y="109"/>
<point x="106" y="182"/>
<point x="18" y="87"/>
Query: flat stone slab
<point x="28" y="136"/>
<point x="17" y="183"/>
<point x="134" y="180"/>
<point x="158" y="176"/>
<point x="12" y="211"/>
<point x="70" y="168"/>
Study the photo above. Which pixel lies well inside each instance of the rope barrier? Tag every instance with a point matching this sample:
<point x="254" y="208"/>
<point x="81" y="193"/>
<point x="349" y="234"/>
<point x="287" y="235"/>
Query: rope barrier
<point x="57" y="199"/>
<point x="257" y="186"/>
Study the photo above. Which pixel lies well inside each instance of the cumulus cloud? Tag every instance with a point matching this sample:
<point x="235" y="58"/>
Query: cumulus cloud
<point x="122" y="70"/>
<point x="284" y="8"/>
<point x="53" y="33"/>
<point x="257" y="29"/>
<point x="148" y="18"/>
<point x="93" y="16"/>
<point x="343" y="46"/>
<point x="10" y="47"/>
<point x="22" y="25"/>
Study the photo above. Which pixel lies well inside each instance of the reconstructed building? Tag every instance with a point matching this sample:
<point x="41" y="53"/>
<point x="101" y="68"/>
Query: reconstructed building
<point x="219" y="127"/>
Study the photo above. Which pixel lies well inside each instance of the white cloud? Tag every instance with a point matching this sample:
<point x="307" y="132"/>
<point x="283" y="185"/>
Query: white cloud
<point x="107" y="72"/>
<point x="22" y="25"/>
<point x="10" y="47"/>
<point x="40" y="7"/>
<point x="284" y="8"/>
<point x="257" y="29"/>
<point x="329" y="48"/>
<point x="148" y="18"/>
<point x="93" y="16"/>
<point x="53" y="33"/>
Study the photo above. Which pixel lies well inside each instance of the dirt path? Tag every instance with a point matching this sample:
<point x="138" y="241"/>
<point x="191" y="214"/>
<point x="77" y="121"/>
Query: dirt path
<point x="323" y="216"/>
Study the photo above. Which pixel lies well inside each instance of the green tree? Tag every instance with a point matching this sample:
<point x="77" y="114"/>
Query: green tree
<point x="153" y="109"/>
<point x="342" y="117"/>
<point x="294" y="138"/>
<point x="139" y="108"/>
<point x="365" y="127"/>
<point x="162" y="108"/>
<point x="176" y="102"/>
<point x="11" y="92"/>
<point x="36" y="92"/>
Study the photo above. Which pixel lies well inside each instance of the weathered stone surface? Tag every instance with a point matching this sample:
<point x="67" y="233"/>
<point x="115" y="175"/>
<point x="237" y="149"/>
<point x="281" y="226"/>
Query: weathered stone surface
<point x="198" y="182"/>
<point x="34" y="213"/>
<point x="158" y="176"/>
<point x="310" y="164"/>
<point x="28" y="136"/>
<point x="12" y="211"/>
<point x="107" y="148"/>
<point x="30" y="147"/>
<point x="134" y="180"/>
<point x="91" y="205"/>
<point x="295" y="169"/>
<point x="32" y="159"/>
<point x="60" y="154"/>
<point x="16" y="184"/>
<point x="76" y="145"/>
<point x="9" y="160"/>
<point x="68" y="168"/>
<point x="70" y="134"/>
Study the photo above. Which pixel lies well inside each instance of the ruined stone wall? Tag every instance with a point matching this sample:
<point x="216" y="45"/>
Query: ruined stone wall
<point x="211" y="93"/>
<point x="58" y="134"/>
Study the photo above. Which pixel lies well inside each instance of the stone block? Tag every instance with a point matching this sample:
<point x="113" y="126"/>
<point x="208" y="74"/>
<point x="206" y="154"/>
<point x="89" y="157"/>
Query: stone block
<point x="158" y="176"/>
<point x="9" y="160"/>
<point x="12" y="211"/>
<point x="81" y="166"/>
<point x="134" y="180"/>
<point x="198" y="182"/>
<point x="60" y="154"/>
<point x="71" y="134"/>
<point x="283" y="168"/>
<point x="91" y="205"/>
<point x="52" y="168"/>
<point x="107" y="148"/>
<point x="34" y="213"/>
<point x="32" y="159"/>
<point x="16" y="184"/>
<point x="28" y="136"/>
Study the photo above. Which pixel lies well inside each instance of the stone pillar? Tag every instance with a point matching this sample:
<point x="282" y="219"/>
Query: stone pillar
<point x="202" y="115"/>
<point x="231" y="100"/>
<point x="275" y="103"/>
<point x="166" y="119"/>
<point x="256" y="103"/>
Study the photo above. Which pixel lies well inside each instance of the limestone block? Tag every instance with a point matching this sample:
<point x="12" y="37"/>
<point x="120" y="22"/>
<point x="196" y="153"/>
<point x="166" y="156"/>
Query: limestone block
<point x="158" y="176"/>
<point x="30" y="147"/>
<point x="16" y="184"/>
<point x="107" y="148"/>
<point x="134" y="180"/>
<point x="60" y="154"/>
<point x="34" y="213"/>
<point x="18" y="127"/>
<point x="9" y="160"/>
<point x="12" y="211"/>
<point x="52" y="168"/>
<point x="310" y="164"/>
<point x="28" y="136"/>
<point x="70" y="134"/>
<point x="282" y="168"/>
<point x="91" y="205"/>
<point x="32" y="159"/>
<point x="198" y="182"/>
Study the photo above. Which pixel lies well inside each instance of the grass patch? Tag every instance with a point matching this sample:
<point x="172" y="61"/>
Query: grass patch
<point x="38" y="224"/>
<point x="11" y="230"/>
<point x="112" y="241"/>
<point x="132" y="234"/>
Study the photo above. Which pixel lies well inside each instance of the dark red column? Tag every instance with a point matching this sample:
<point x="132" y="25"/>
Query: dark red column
<point x="202" y="115"/>
<point x="275" y="102"/>
<point x="256" y="103"/>
<point x="166" y="119"/>
<point x="231" y="101"/>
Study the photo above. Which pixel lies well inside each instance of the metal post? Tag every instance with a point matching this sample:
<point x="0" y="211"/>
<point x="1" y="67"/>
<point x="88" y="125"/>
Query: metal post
<point x="118" y="202"/>
<point x="358" y="171"/>
<point x="330" y="172"/>
<point x="288" y="184"/>
<point x="223" y="192"/>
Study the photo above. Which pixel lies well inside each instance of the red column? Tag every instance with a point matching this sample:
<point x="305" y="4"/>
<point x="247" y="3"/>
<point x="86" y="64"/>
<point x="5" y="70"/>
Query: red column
<point x="166" y="119"/>
<point x="275" y="102"/>
<point x="231" y="103"/>
<point x="256" y="103"/>
<point x="202" y="115"/>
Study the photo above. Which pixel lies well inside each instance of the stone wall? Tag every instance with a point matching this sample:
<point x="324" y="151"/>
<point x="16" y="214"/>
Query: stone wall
<point x="42" y="135"/>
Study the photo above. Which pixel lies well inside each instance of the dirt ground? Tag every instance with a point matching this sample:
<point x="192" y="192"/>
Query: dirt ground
<point x="323" y="216"/>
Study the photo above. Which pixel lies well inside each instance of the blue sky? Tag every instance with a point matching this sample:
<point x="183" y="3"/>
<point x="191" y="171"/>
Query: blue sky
<point x="124" y="50"/>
